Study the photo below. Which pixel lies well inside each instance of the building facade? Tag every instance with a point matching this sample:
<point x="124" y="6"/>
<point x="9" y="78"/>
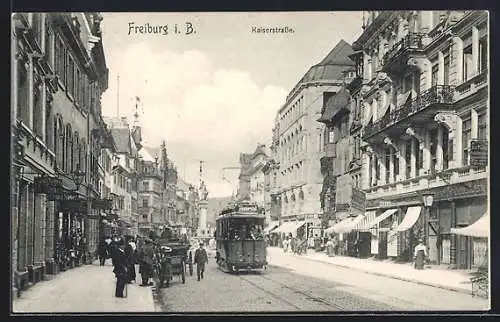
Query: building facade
<point x="58" y="75"/>
<point x="299" y="144"/>
<point x="424" y="99"/>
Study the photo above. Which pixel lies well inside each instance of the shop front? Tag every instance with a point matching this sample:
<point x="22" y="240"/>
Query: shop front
<point x="431" y="215"/>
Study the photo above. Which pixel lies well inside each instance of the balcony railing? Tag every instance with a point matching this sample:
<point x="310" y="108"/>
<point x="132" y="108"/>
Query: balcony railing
<point x="438" y="94"/>
<point x="410" y="41"/>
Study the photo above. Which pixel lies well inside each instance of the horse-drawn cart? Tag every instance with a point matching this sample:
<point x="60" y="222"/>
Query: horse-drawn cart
<point x="172" y="259"/>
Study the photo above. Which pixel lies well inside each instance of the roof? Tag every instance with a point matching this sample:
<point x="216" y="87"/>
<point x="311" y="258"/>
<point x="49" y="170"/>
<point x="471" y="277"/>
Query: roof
<point x="332" y="66"/>
<point x="335" y="104"/>
<point x="121" y="136"/>
<point x="182" y="185"/>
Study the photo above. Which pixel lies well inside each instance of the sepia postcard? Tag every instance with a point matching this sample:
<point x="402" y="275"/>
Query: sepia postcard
<point x="250" y="162"/>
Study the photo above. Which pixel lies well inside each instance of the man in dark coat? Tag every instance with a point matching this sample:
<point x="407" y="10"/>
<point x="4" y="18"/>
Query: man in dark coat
<point x="129" y="253"/>
<point x="200" y="259"/>
<point x="146" y="267"/>
<point x="120" y="270"/>
<point x="103" y="252"/>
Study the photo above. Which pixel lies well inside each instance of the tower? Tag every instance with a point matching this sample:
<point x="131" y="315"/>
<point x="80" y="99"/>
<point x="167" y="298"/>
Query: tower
<point x="136" y="129"/>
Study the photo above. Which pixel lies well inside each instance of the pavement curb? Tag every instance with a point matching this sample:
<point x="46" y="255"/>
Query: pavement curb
<point x="449" y="288"/>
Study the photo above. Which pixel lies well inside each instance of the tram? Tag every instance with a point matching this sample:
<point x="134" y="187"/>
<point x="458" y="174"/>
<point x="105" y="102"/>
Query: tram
<point x="239" y="235"/>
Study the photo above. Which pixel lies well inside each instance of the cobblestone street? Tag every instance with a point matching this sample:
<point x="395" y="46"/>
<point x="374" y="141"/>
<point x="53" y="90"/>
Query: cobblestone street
<point x="298" y="284"/>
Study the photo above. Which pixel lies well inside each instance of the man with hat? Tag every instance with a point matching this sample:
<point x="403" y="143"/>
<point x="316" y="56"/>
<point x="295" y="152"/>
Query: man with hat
<point x="200" y="259"/>
<point x="146" y="265"/>
<point x="121" y="267"/>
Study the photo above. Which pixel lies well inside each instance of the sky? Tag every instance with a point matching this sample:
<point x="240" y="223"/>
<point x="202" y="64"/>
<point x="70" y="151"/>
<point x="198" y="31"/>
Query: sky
<point x="213" y="93"/>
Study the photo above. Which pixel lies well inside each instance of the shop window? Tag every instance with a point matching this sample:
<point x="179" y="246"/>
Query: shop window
<point x="483" y="54"/>
<point x="467" y="63"/>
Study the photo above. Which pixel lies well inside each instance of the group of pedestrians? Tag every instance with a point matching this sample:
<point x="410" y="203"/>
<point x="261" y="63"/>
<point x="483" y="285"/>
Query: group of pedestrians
<point x="125" y="253"/>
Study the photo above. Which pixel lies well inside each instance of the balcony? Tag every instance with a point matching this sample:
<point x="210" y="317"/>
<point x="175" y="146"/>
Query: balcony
<point x="419" y="111"/>
<point x="472" y="85"/>
<point x="397" y="56"/>
<point x="440" y="179"/>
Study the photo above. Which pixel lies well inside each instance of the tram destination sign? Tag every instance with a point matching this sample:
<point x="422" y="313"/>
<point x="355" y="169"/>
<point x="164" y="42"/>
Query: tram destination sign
<point x="248" y="208"/>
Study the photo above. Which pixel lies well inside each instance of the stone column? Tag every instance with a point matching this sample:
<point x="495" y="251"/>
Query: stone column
<point x="427" y="151"/>
<point x="475" y="51"/>
<point x="366" y="170"/>
<point x="49" y="231"/>
<point x="457" y="146"/>
<point x="413" y="171"/>
<point x="402" y="160"/>
<point x="474" y="124"/>
<point x="456" y="68"/>
<point x="381" y="165"/>
<point x="439" y="149"/>
<point x="374" y="110"/>
<point x="440" y="76"/>
<point x="30" y="75"/>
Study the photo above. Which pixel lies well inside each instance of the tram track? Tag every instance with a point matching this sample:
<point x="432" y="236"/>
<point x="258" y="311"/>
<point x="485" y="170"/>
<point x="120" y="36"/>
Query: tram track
<point x="305" y="295"/>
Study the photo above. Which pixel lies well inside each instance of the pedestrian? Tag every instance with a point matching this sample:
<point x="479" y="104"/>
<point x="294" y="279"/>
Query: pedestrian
<point x="200" y="259"/>
<point x="420" y="254"/>
<point x="130" y="253"/>
<point x="103" y="252"/>
<point x="330" y="248"/>
<point x="146" y="265"/>
<point x="120" y="270"/>
<point x="190" y="256"/>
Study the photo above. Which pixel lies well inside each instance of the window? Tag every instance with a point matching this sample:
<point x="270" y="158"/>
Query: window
<point x="145" y="185"/>
<point x="482" y="127"/>
<point x="22" y="92"/>
<point x="446" y="80"/>
<point x="77" y="89"/>
<point x="49" y="45"/>
<point x="70" y="76"/>
<point x="38" y="117"/>
<point x="433" y="149"/>
<point x="408" y="158"/>
<point x="60" y="59"/>
<point x="466" y="136"/>
<point x="49" y="127"/>
<point x="434" y="76"/>
<point x="145" y="202"/>
<point x="388" y="156"/>
<point x="395" y="160"/>
<point x="331" y="136"/>
<point x="483" y="54"/>
<point x="467" y="63"/>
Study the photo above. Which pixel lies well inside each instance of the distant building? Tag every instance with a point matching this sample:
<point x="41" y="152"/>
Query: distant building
<point x="299" y="146"/>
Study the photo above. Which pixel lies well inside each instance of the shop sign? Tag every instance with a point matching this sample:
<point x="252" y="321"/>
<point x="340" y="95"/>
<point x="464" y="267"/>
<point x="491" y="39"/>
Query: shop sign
<point x="479" y="153"/>
<point x="342" y="207"/>
<point x="76" y="205"/>
<point x="358" y="200"/>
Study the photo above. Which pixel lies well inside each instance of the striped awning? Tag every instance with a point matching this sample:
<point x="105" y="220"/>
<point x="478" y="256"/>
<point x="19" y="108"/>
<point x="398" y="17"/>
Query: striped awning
<point x="481" y="228"/>
<point x="377" y="220"/>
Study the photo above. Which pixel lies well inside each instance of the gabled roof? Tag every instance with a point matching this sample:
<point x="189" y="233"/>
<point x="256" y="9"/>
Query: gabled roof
<point x="121" y="136"/>
<point x="332" y="66"/>
<point x="335" y="104"/>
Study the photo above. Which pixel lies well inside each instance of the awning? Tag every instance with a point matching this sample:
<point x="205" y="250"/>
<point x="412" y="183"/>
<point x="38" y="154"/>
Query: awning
<point x="271" y="226"/>
<point x="481" y="228"/>
<point x="338" y="227"/>
<point x="378" y="219"/>
<point x="356" y="221"/>
<point x="368" y="217"/>
<point x="410" y="218"/>
<point x="289" y="227"/>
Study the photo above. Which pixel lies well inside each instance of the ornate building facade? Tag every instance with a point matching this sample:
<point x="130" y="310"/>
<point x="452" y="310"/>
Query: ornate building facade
<point x="300" y="138"/>
<point x="424" y="100"/>
<point x="58" y="75"/>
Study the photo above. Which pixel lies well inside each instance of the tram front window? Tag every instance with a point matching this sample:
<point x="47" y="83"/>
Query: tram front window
<point x="246" y="229"/>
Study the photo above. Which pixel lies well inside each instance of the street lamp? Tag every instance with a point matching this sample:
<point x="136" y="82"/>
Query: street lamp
<point x="428" y="199"/>
<point x="78" y="176"/>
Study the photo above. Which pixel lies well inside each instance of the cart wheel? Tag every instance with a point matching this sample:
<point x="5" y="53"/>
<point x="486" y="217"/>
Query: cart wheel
<point x="183" y="273"/>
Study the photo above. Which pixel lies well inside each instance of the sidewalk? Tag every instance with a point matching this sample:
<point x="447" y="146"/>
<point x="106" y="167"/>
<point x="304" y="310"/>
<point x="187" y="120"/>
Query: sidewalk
<point x="454" y="280"/>
<point x="88" y="288"/>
